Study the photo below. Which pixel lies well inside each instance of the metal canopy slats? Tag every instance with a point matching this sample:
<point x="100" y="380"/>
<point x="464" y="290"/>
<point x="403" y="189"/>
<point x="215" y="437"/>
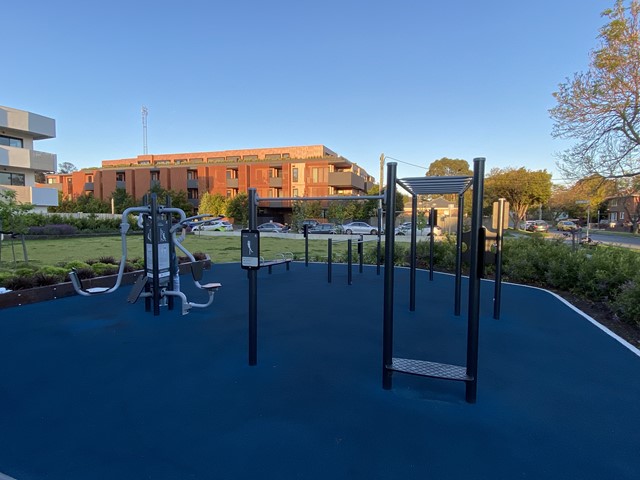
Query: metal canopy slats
<point x="435" y="185"/>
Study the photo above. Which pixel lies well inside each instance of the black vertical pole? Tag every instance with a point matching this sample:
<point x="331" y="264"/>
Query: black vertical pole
<point x="414" y="253"/>
<point x="389" y="239"/>
<point x="154" y="254"/>
<point x="305" y="229"/>
<point x="498" y="281"/>
<point x="360" y="253"/>
<point x="379" y="246"/>
<point x="253" y="286"/>
<point x="432" y="222"/>
<point x="474" y="280"/>
<point x="349" y="263"/>
<point x="329" y="259"/>
<point x="173" y="258"/>
<point x="460" y="226"/>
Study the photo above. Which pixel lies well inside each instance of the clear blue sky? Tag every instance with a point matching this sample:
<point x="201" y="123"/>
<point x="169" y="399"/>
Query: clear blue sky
<point x="417" y="80"/>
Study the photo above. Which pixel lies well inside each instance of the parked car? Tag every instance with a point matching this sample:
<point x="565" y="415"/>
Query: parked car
<point x="309" y="223"/>
<point x="359" y="228"/>
<point x="324" y="228"/>
<point x="538" y="226"/>
<point x="567" y="226"/>
<point x="273" y="227"/>
<point x="405" y="229"/>
<point x="215" y="226"/>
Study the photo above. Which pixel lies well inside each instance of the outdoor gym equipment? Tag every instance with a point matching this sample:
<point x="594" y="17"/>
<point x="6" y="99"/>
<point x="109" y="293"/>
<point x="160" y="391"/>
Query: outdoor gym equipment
<point x="360" y="243"/>
<point x="160" y="282"/>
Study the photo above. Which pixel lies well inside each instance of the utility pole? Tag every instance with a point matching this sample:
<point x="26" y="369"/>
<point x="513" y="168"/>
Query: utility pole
<point x="381" y="172"/>
<point x="145" y="112"/>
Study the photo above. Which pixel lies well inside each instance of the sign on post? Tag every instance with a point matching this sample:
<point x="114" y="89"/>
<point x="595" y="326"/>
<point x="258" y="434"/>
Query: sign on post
<point x="250" y="249"/>
<point x="505" y="218"/>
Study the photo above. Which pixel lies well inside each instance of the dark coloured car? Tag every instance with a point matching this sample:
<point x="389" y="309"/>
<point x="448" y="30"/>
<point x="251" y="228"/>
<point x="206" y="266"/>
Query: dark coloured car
<point x="324" y="228"/>
<point x="309" y="223"/>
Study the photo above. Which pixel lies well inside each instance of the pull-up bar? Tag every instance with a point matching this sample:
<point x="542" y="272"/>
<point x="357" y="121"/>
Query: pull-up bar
<point x="335" y="197"/>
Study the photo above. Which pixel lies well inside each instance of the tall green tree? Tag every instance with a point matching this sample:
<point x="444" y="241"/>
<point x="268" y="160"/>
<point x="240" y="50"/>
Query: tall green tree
<point x="447" y="167"/>
<point x="522" y="188"/>
<point x="452" y="167"/>
<point x="215" y="204"/>
<point x="122" y="200"/>
<point x="12" y="212"/>
<point x="600" y="108"/>
<point x="178" y="198"/>
<point x="238" y="209"/>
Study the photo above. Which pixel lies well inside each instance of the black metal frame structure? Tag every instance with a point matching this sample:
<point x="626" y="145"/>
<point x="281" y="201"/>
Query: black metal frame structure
<point x="415" y="186"/>
<point x="428" y="186"/>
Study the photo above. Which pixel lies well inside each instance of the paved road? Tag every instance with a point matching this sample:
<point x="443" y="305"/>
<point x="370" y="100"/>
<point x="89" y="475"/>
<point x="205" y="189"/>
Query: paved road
<point x="627" y="241"/>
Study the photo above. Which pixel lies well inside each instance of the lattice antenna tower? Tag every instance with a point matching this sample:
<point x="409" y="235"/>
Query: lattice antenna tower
<point x="145" y="112"/>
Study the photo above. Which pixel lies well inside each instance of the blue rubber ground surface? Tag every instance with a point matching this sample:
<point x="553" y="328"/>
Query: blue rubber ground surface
<point x="94" y="388"/>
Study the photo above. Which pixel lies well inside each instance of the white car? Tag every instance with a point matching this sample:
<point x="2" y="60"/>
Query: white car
<point x="215" y="226"/>
<point x="362" y="228"/>
<point x="405" y="229"/>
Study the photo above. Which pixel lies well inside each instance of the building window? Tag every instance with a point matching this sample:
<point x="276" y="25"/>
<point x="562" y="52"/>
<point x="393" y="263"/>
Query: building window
<point x="233" y="158"/>
<point x="232" y="173"/>
<point x="144" y="162"/>
<point x="120" y="177"/>
<point x="286" y="155"/>
<point x="294" y="174"/>
<point x="88" y="178"/>
<point x="195" y="160"/>
<point x="295" y="192"/>
<point x="273" y="156"/>
<point x="11" y="141"/>
<point x="319" y="174"/>
<point x="250" y="157"/>
<point x="621" y="215"/>
<point x="192" y="174"/>
<point x="228" y="193"/>
<point x="614" y="202"/>
<point x="155" y="176"/>
<point x="192" y="193"/>
<point x="215" y="159"/>
<point x="16" y="179"/>
<point x="163" y="162"/>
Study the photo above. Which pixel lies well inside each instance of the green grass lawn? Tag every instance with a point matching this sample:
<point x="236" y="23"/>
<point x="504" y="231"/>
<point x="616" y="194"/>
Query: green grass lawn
<point x="221" y="249"/>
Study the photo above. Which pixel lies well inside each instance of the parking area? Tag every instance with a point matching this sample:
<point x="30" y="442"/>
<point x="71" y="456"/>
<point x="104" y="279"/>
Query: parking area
<point x="98" y="388"/>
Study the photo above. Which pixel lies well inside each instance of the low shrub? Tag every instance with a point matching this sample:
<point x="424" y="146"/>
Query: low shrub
<point x="102" y="269"/>
<point x="627" y="303"/>
<point x="53" y="229"/>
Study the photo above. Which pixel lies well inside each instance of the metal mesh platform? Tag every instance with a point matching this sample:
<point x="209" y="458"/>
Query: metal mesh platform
<point x="430" y="369"/>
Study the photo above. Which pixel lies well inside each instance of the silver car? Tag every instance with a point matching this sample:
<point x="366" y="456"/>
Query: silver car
<point x="359" y="228"/>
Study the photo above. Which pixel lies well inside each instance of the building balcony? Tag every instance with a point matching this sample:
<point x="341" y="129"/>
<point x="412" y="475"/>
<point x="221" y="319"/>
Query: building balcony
<point x="88" y="186"/>
<point x="121" y="184"/>
<point x="192" y="183"/>
<point x="346" y="180"/>
<point x="29" y="159"/>
<point x="275" y="182"/>
<point x="42" y="197"/>
<point x="232" y="183"/>
<point x="26" y="123"/>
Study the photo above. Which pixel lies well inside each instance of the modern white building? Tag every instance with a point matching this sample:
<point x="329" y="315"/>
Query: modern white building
<point x="19" y="162"/>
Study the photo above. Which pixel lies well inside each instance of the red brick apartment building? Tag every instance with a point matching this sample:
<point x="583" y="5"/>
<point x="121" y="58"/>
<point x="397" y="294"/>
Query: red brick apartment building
<point x="301" y="171"/>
